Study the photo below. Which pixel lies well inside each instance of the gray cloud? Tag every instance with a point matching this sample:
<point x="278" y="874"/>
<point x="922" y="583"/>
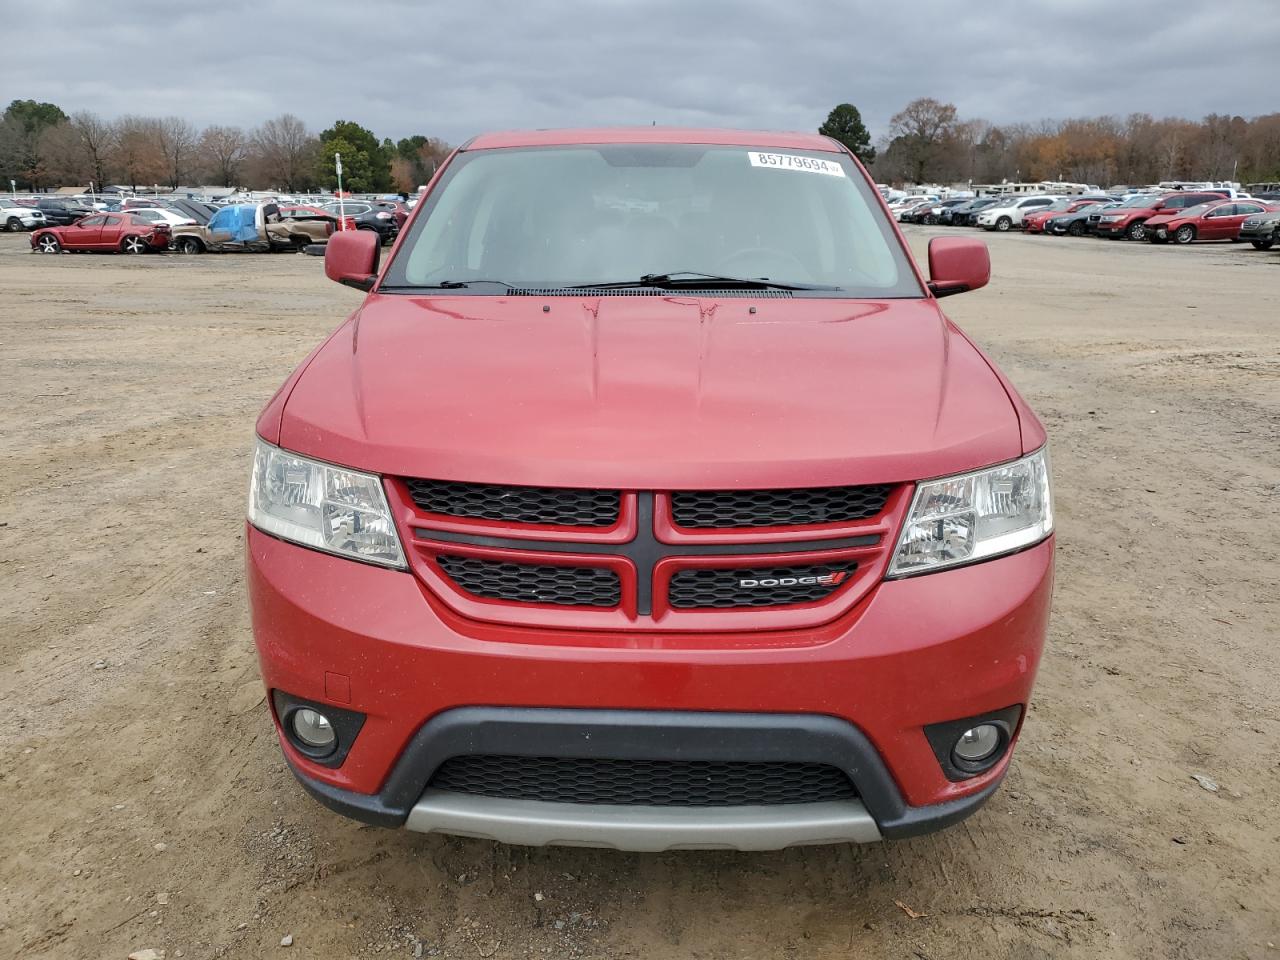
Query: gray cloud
<point x="456" y="69"/>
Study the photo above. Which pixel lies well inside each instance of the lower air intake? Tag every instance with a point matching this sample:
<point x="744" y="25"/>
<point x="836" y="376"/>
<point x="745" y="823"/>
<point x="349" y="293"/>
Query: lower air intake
<point x="660" y="783"/>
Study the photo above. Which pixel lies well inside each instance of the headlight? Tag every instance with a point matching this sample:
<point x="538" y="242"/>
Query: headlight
<point x="318" y="505"/>
<point x="1111" y="218"/>
<point x="974" y="516"/>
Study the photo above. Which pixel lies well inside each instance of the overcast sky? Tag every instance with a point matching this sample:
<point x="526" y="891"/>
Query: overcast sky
<point x="455" y="69"/>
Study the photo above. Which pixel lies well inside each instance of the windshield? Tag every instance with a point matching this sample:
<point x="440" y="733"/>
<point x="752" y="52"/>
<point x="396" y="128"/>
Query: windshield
<point x="598" y="214"/>
<point x="1141" y="200"/>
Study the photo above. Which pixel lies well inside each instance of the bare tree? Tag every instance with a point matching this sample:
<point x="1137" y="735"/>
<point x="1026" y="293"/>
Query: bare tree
<point x="96" y="143"/>
<point x="176" y="139"/>
<point x="139" y="159"/>
<point x="62" y="154"/>
<point x="283" y="153"/>
<point x="222" y="152"/>
<point x="78" y="150"/>
<point x="919" y="134"/>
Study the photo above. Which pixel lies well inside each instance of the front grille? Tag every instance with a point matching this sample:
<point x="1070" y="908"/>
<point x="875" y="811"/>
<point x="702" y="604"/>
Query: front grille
<point x="534" y="583"/>
<point x="664" y="783"/>
<point x="756" y="586"/>
<point x="776" y="508"/>
<point x="554" y="506"/>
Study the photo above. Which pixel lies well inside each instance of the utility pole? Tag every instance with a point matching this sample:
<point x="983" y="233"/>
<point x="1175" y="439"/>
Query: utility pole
<point x="342" y="210"/>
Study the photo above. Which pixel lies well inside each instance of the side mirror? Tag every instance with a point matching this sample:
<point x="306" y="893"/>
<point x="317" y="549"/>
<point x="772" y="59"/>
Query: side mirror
<point x="351" y="258"/>
<point x="957" y="264"/>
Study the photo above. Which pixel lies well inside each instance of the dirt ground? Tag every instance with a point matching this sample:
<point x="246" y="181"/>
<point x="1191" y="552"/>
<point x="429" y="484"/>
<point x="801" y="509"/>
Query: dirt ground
<point x="144" y="802"/>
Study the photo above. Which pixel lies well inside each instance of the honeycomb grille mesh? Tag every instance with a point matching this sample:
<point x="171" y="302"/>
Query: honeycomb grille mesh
<point x="555" y="506"/>
<point x="691" y="783"/>
<point x="777" y="508"/>
<point x="756" y="586"/>
<point x="534" y="583"/>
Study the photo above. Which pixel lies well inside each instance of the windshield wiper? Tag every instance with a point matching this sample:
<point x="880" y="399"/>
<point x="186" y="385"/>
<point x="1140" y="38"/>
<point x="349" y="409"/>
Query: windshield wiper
<point x="692" y="279"/>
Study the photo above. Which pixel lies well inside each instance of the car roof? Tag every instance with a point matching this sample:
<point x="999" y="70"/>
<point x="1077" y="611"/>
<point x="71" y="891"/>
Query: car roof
<point x="610" y="135"/>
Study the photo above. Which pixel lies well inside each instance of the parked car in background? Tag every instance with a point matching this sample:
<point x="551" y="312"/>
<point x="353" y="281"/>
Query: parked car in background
<point x="195" y="209"/>
<point x="396" y="208"/>
<point x="908" y="212"/>
<point x="162" y="215"/>
<point x="933" y="213"/>
<point x="15" y="216"/>
<point x="121" y="232"/>
<point x="1034" y="222"/>
<point x="966" y="215"/>
<point x="1208" y="221"/>
<point x="59" y="213"/>
<point x="367" y="217"/>
<point x="242" y="227"/>
<point x="897" y="207"/>
<point x="1008" y="214"/>
<point x="1130" y="217"/>
<point x="307" y="225"/>
<point x="1075" y="223"/>
<point x="1260" y="229"/>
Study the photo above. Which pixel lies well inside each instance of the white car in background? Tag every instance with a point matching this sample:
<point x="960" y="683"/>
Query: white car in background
<point x="162" y="215"/>
<point x="14" y="216"/>
<point x="1004" y="216"/>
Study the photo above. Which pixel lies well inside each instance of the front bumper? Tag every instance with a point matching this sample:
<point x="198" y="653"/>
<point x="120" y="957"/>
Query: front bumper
<point x="1263" y="232"/>
<point x="918" y="651"/>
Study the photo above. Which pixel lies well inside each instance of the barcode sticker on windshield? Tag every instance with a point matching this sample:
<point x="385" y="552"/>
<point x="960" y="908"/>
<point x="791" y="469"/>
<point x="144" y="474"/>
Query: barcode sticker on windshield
<point x="791" y="161"/>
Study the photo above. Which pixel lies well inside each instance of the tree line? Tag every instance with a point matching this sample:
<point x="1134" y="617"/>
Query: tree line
<point x="928" y="142"/>
<point x="41" y="147"/>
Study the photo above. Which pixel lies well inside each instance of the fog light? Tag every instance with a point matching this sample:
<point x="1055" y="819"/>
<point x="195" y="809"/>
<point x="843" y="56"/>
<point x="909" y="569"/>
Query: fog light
<point x="313" y="728"/>
<point x="978" y="743"/>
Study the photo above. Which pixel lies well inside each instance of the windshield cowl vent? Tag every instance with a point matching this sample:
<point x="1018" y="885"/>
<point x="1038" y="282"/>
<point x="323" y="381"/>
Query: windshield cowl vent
<point x="648" y="292"/>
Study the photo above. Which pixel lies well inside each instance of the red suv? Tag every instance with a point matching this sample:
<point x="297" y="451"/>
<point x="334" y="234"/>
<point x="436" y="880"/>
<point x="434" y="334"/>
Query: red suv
<point x="649" y="500"/>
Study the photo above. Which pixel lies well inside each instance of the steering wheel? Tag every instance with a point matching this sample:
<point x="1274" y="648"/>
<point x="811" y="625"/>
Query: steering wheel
<point x="774" y="254"/>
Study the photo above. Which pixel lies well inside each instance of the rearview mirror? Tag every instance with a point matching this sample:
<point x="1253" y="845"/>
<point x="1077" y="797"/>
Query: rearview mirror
<point x="351" y="258"/>
<point x="957" y="264"/>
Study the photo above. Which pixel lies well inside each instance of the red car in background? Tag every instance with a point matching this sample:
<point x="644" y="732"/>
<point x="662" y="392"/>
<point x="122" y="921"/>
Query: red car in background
<point x="115" y="232"/>
<point x="1034" y="222"/>
<point x="1129" y="219"/>
<point x="1208" y="221"/>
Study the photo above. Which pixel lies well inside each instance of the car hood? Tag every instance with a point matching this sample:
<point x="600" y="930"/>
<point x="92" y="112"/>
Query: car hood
<point x="651" y="392"/>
